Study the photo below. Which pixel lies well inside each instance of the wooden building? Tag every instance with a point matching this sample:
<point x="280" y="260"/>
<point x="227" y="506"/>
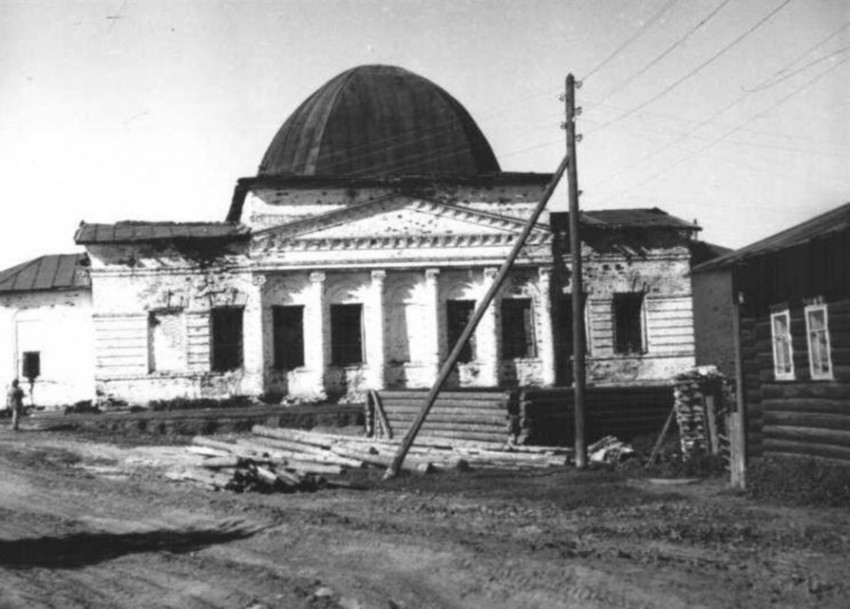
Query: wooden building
<point x="793" y="302"/>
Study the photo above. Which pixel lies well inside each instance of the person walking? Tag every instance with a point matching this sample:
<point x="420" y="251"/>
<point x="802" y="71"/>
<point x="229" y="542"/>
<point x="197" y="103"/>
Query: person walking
<point x="15" y="401"/>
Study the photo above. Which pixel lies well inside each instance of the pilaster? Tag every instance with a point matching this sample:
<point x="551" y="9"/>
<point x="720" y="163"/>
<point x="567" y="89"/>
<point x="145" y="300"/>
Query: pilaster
<point x="488" y="337"/>
<point x="375" y="352"/>
<point x="315" y="333"/>
<point x="545" y="341"/>
<point x="432" y="325"/>
<point x="252" y="355"/>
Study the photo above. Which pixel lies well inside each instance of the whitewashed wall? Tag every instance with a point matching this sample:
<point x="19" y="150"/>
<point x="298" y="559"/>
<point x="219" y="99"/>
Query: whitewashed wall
<point x="59" y="326"/>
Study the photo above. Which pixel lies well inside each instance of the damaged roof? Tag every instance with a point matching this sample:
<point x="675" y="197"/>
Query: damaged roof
<point x="832" y="221"/>
<point x="54" y="272"/>
<point x="626" y="218"/>
<point x="132" y="232"/>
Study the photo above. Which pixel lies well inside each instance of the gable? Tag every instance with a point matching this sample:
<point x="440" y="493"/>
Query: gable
<point x="399" y="217"/>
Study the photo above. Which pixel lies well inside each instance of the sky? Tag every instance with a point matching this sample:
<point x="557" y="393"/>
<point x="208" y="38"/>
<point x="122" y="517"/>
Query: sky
<point x="728" y="112"/>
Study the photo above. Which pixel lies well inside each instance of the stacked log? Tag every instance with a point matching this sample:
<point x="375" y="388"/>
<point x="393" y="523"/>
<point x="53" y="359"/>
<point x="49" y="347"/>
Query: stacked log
<point x="427" y="453"/>
<point x="698" y="403"/>
<point x="466" y="416"/>
<point x="292" y="460"/>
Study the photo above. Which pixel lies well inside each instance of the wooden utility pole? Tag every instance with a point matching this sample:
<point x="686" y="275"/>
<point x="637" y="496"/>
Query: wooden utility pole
<point x="738" y="418"/>
<point x="576" y="287"/>
<point x="446" y="369"/>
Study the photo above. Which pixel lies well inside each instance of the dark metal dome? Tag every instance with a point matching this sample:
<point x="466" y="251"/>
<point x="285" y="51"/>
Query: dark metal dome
<point x="379" y="121"/>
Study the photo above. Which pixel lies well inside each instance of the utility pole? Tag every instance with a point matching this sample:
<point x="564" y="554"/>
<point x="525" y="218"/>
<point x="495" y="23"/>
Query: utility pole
<point x="576" y="287"/>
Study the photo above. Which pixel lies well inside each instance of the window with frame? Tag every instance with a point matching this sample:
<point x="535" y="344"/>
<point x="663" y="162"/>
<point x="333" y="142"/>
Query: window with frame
<point x="288" y="336"/>
<point x="783" y="354"/>
<point x="226" y="348"/>
<point x="346" y="334"/>
<point x="817" y="333"/>
<point x="628" y="323"/>
<point x="518" y="328"/>
<point x="458" y="314"/>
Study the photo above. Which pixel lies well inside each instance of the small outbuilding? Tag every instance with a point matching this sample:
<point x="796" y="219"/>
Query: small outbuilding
<point x="792" y="294"/>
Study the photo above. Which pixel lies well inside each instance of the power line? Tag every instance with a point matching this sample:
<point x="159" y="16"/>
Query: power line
<point x="698" y="69"/>
<point x="649" y="23"/>
<point x="767" y="84"/>
<point x="706" y="121"/>
<point x="773" y="134"/>
<point x="664" y="54"/>
<point x="814" y="47"/>
<point x="736" y="129"/>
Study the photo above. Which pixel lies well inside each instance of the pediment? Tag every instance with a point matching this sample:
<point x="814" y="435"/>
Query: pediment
<point x="400" y="217"/>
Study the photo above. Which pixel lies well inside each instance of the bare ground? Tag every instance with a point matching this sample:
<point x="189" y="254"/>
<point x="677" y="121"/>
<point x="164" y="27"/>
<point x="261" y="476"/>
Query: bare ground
<point x="86" y="523"/>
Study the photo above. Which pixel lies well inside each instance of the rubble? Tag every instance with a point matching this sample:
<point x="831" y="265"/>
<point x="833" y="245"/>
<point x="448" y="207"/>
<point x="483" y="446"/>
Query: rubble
<point x="609" y="450"/>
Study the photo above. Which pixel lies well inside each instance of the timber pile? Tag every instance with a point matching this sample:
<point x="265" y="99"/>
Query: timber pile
<point x="292" y="460"/>
<point x="428" y="454"/>
<point x="466" y="416"/>
<point x="698" y="405"/>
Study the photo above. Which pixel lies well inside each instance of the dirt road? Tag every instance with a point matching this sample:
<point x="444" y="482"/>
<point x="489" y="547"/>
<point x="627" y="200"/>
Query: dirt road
<point x="90" y="524"/>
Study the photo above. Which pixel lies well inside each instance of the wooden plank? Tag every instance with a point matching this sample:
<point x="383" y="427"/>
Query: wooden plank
<point x="828" y="390"/>
<point x="812" y="405"/>
<point x="451" y="426"/>
<point x="814" y="436"/>
<point x="808" y="419"/>
<point x="484" y="405"/>
<point x="777" y="445"/>
<point x="494" y="396"/>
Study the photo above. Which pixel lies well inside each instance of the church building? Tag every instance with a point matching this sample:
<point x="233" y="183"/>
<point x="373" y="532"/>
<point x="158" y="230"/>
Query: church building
<point x="352" y="261"/>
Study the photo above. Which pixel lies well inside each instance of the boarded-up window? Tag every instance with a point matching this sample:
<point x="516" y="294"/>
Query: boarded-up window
<point x="783" y="355"/>
<point x="288" y="337"/>
<point x="167" y="346"/>
<point x="31" y="365"/>
<point x="817" y="331"/>
<point x="346" y="334"/>
<point x="458" y="314"/>
<point x="226" y="339"/>
<point x="518" y="328"/>
<point x="628" y="322"/>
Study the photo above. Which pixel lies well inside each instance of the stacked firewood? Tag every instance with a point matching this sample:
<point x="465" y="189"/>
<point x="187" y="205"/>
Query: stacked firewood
<point x="698" y="404"/>
<point x="290" y="460"/>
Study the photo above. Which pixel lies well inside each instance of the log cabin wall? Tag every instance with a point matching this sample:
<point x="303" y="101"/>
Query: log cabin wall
<point x="800" y="415"/>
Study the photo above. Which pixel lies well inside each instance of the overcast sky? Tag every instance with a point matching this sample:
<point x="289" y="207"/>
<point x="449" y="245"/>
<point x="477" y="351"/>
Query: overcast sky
<point x="730" y="112"/>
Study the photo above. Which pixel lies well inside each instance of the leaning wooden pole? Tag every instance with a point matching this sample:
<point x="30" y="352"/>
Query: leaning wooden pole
<point x="446" y="369"/>
<point x="576" y="286"/>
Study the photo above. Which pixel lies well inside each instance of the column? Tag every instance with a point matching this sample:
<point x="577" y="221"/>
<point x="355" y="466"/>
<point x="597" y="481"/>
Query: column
<point x="253" y="379"/>
<point x="375" y="353"/>
<point x="488" y="336"/>
<point x="315" y="335"/>
<point x="545" y="342"/>
<point x="431" y="327"/>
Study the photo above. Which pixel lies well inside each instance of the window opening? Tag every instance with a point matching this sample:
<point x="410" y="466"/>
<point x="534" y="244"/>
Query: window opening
<point x="518" y="328"/>
<point x="817" y="331"/>
<point x="458" y="314"/>
<point x="346" y="334"/>
<point x="31" y="365"/>
<point x="226" y="339"/>
<point x="783" y="360"/>
<point x="288" y="336"/>
<point x="628" y="322"/>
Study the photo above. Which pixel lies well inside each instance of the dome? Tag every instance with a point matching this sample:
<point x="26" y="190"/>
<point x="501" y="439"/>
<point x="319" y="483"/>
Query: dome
<point x="379" y="121"/>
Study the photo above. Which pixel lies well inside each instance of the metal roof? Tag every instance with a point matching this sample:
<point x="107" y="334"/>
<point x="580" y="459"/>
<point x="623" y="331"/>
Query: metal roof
<point x="54" y="272"/>
<point x="378" y="120"/>
<point x="832" y="221"/>
<point x="626" y="218"/>
<point x="130" y="232"/>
